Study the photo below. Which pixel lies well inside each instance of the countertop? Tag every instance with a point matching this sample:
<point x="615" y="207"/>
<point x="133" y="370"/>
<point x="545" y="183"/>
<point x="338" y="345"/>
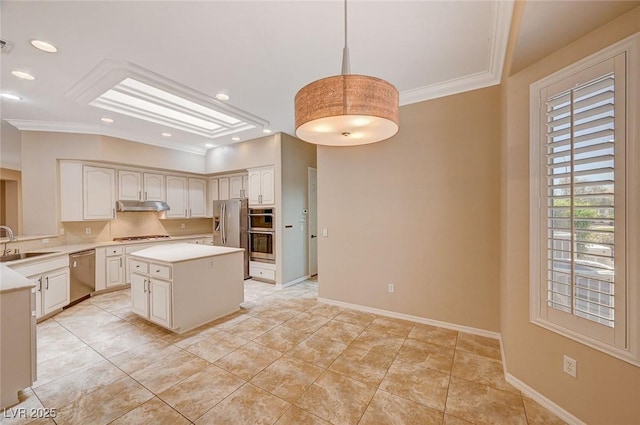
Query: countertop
<point x="11" y="280"/>
<point x="174" y="253"/>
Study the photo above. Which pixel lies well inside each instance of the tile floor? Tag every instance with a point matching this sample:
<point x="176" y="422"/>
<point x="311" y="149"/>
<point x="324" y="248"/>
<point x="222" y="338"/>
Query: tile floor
<point x="284" y="359"/>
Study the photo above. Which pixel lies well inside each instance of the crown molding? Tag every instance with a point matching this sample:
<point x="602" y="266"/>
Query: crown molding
<point x="502" y="16"/>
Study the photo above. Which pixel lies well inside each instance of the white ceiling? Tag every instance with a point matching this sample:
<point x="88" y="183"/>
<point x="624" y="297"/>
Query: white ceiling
<point x="258" y="52"/>
<point x="262" y="52"/>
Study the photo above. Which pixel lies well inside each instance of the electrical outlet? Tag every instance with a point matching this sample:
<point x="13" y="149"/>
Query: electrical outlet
<point x="46" y="240"/>
<point x="87" y="230"/>
<point x="570" y="366"/>
<point x="391" y="288"/>
<point x="182" y="225"/>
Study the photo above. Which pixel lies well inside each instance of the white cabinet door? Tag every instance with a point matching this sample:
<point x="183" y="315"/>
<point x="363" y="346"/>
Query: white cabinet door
<point x="153" y="187"/>
<point x="235" y="187"/>
<point x="254" y="187"/>
<point x="245" y="185"/>
<point x="56" y="290"/>
<point x="114" y="271"/>
<point x="223" y="188"/>
<point x="267" y="186"/>
<point x="71" y="208"/>
<point x="129" y="185"/>
<point x="262" y="186"/>
<point x="139" y="295"/>
<point x="177" y="196"/>
<point x="213" y="190"/>
<point x="197" y="197"/>
<point x="160" y="302"/>
<point x="99" y="194"/>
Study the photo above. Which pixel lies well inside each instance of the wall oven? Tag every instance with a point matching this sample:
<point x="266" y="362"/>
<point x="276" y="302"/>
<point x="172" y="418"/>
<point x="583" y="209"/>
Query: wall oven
<point x="262" y="235"/>
<point x="262" y="219"/>
<point x="262" y="246"/>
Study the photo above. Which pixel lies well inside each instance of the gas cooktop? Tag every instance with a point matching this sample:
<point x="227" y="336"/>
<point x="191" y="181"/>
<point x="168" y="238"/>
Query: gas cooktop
<point x="140" y="238"/>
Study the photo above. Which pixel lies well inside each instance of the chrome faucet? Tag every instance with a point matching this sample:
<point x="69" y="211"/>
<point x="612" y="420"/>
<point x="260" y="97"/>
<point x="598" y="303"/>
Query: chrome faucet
<point x="12" y="238"/>
<point x="9" y="233"/>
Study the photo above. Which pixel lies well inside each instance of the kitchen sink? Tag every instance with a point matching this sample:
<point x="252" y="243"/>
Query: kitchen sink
<point x="23" y="255"/>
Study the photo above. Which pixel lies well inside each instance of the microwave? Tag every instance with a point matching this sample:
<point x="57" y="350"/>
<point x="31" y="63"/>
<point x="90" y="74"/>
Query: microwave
<point x="262" y="219"/>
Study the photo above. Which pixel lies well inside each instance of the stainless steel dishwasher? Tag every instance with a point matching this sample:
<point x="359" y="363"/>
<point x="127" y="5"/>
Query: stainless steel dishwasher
<point x="83" y="275"/>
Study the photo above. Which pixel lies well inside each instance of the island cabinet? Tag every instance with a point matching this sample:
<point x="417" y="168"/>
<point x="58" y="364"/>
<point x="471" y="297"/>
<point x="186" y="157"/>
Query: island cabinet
<point x="182" y="286"/>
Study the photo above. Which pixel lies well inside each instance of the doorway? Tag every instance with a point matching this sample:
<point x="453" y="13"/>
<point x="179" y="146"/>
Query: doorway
<point x="9" y="203"/>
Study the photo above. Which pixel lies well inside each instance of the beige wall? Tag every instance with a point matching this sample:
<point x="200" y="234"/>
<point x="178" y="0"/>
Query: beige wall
<point x="420" y="210"/>
<point x="41" y="150"/>
<point x="606" y="389"/>
<point x="297" y="157"/>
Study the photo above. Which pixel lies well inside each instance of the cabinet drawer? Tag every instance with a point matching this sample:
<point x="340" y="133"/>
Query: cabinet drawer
<point x="137" y="266"/>
<point x="160" y="270"/>
<point x="114" y="250"/>
<point x="262" y="273"/>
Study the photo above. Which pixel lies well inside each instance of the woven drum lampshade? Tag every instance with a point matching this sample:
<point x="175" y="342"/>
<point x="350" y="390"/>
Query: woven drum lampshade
<point x="346" y="110"/>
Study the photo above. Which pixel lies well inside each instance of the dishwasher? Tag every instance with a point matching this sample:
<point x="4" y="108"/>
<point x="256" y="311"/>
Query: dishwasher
<point x="83" y="275"/>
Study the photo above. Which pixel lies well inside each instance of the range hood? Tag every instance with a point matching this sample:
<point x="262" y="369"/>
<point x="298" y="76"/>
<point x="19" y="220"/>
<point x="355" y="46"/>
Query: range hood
<point x="141" y="206"/>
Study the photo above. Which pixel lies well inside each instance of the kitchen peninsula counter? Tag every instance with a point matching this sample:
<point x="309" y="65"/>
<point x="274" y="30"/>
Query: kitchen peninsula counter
<point x="182" y="286"/>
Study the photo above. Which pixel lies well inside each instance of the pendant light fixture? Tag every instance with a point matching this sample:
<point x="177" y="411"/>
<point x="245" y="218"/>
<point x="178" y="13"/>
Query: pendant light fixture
<point x="346" y="109"/>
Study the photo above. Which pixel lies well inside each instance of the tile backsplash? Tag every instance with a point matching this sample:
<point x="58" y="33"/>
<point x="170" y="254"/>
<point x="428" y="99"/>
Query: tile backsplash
<point x="133" y="224"/>
<point x="126" y="224"/>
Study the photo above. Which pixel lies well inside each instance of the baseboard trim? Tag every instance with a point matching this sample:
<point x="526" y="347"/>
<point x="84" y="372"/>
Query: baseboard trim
<point x="542" y="400"/>
<point x="411" y="318"/>
<point x="292" y="282"/>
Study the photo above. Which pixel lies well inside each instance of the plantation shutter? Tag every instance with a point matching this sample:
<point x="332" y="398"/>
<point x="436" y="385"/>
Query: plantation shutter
<point x="584" y="193"/>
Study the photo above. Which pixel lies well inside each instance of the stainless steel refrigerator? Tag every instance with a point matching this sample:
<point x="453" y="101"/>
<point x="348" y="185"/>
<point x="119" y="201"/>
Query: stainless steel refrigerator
<point x="230" y="225"/>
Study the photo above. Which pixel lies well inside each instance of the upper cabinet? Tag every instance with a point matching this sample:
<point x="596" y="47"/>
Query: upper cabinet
<point x="129" y="185"/>
<point x="236" y="189"/>
<point x="153" y="187"/>
<point x="186" y="197"/>
<point x="262" y="186"/>
<point x="139" y="186"/>
<point x="177" y="194"/>
<point x="223" y="188"/>
<point x="99" y="193"/>
<point x="197" y="197"/>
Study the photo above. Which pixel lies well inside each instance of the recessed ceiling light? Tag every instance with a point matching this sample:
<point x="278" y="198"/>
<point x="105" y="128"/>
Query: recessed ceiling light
<point x="222" y="96"/>
<point x="23" y="75"/>
<point x="209" y="145"/>
<point x="44" y="46"/>
<point x="235" y="139"/>
<point x="165" y="134"/>
<point x="266" y="131"/>
<point x="10" y="96"/>
<point x="107" y="120"/>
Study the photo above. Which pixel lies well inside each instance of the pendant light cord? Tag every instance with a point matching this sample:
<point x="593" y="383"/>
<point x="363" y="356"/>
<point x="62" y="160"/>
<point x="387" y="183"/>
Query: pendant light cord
<point x="346" y="68"/>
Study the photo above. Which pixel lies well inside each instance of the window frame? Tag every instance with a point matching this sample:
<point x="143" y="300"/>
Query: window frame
<point x="629" y="349"/>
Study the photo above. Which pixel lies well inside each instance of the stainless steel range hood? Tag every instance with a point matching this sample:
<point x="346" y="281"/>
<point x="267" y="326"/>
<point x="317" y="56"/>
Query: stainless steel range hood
<point x="141" y="206"/>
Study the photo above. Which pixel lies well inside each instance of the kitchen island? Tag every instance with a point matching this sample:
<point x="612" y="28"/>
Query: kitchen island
<point x="182" y="286"/>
